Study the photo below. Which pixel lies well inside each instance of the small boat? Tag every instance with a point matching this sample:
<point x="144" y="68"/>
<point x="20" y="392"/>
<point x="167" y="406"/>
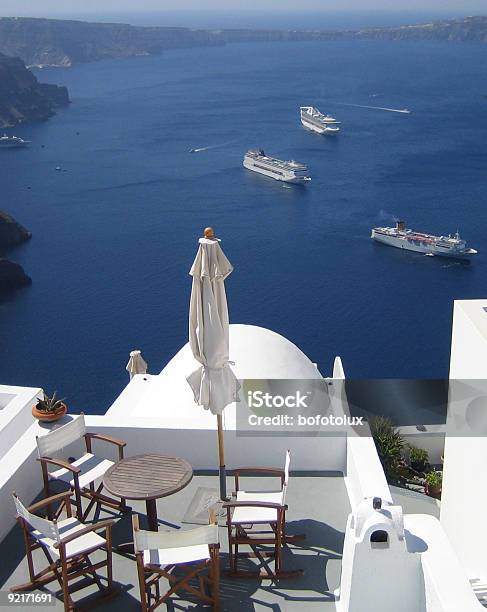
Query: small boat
<point x="13" y="142"/>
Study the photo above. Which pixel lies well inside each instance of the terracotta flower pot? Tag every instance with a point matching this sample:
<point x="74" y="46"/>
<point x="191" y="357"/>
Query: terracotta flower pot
<point x="432" y="491"/>
<point x="49" y="417"/>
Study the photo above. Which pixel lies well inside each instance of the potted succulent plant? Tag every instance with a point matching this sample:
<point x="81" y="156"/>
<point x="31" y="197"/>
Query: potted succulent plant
<point x="433" y="481"/>
<point x="49" y="409"/>
<point x="418" y="458"/>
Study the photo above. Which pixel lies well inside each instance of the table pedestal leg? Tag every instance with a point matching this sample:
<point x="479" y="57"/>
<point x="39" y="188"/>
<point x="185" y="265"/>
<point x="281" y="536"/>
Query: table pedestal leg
<point x="151" y="507"/>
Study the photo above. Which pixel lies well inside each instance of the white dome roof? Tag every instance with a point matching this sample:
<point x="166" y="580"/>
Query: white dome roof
<point x="257" y="353"/>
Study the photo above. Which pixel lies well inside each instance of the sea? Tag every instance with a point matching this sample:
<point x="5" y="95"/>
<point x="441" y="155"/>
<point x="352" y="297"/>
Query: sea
<point x="115" y="230"/>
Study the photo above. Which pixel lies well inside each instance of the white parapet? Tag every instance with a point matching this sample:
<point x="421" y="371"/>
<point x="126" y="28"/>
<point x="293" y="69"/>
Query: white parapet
<point x="400" y="563"/>
<point x="464" y="497"/>
<point x="379" y="572"/>
<point x="18" y="468"/>
<point x="15" y="413"/>
<point x="447" y="588"/>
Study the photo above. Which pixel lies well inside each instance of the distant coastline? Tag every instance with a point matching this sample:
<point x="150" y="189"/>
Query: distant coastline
<point x="64" y="43"/>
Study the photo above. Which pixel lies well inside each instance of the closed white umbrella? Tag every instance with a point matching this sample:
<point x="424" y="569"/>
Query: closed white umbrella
<point x="136" y="364"/>
<point x="214" y="384"/>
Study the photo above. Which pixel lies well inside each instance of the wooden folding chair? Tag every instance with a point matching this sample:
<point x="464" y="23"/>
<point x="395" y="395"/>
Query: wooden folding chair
<point x="259" y="509"/>
<point x="183" y="558"/>
<point x="273" y="497"/>
<point x="67" y="545"/>
<point x="82" y="473"/>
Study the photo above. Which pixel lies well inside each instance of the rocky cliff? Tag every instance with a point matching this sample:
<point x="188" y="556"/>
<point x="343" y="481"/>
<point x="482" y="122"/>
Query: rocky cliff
<point x="22" y="97"/>
<point x="51" y="42"/>
<point x="468" y="29"/>
<point x="12" y="275"/>
<point x="11" y="233"/>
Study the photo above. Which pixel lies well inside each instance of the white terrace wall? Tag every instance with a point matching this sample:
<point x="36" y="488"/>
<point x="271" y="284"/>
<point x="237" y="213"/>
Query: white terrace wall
<point x="464" y="497"/>
<point x="199" y="446"/>
<point x="431" y="439"/>
<point x="15" y="413"/>
<point x="447" y="588"/>
<point x="364" y="476"/>
<point x="18" y="469"/>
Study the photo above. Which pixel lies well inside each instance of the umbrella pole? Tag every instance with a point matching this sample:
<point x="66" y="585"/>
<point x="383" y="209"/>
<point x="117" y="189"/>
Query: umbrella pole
<point x="221" y="456"/>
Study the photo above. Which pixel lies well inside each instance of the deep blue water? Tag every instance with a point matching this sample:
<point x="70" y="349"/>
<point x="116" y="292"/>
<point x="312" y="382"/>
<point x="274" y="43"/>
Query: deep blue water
<point x="115" y="232"/>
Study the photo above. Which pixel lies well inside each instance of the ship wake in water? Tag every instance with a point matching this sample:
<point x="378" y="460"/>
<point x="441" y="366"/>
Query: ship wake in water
<point x="201" y="149"/>
<point x="404" y="111"/>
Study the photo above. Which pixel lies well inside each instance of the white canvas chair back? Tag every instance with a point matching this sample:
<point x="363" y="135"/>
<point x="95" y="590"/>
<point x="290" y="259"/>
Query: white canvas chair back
<point x="152" y="540"/>
<point x="286" y="467"/>
<point x="58" y="439"/>
<point x="43" y="526"/>
<point x="286" y="476"/>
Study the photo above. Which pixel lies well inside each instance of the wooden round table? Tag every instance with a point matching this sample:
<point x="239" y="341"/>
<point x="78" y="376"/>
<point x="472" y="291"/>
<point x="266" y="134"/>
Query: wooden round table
<point x="148" y="477"/>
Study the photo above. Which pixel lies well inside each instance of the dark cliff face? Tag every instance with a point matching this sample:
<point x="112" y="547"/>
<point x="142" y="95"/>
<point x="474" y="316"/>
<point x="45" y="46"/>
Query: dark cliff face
<point x="11" y="233"/>
<point x="12" y="275"/>
<point x="22" y="97"/>
<point x="51" y="42"/>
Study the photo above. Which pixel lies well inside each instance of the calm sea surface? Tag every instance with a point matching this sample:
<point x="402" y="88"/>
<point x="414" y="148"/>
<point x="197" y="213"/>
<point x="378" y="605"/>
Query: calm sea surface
<point x="115" y="233"/>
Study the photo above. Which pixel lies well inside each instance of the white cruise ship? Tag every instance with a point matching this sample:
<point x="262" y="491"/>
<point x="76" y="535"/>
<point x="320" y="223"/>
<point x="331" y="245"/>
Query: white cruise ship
<point x="312" y="119"/>
<point x="287" y="171"/>
<point x="12" y="142"/>
<point x="402" y="238"/>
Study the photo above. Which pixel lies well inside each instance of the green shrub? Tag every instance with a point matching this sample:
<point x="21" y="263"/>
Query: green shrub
<point x="418" y="455"/>
<point x="434" y="479"/>
<point x="389" y="444"/>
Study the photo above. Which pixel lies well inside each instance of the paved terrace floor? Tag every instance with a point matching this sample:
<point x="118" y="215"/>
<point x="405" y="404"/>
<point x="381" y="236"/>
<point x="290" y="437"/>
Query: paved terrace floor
<point x="318" y="507"/>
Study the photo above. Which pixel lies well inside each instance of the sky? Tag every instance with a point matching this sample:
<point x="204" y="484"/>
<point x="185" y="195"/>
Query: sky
<point x="47" y="7"/>
<point x="253" y="14"/>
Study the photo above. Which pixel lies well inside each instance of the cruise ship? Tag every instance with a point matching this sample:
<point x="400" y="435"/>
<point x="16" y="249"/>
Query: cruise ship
<point x="12" y="142"/>
<point x="312" y="119"/>
<point x="402" y="238"/>
<point x="287" y="171"/>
